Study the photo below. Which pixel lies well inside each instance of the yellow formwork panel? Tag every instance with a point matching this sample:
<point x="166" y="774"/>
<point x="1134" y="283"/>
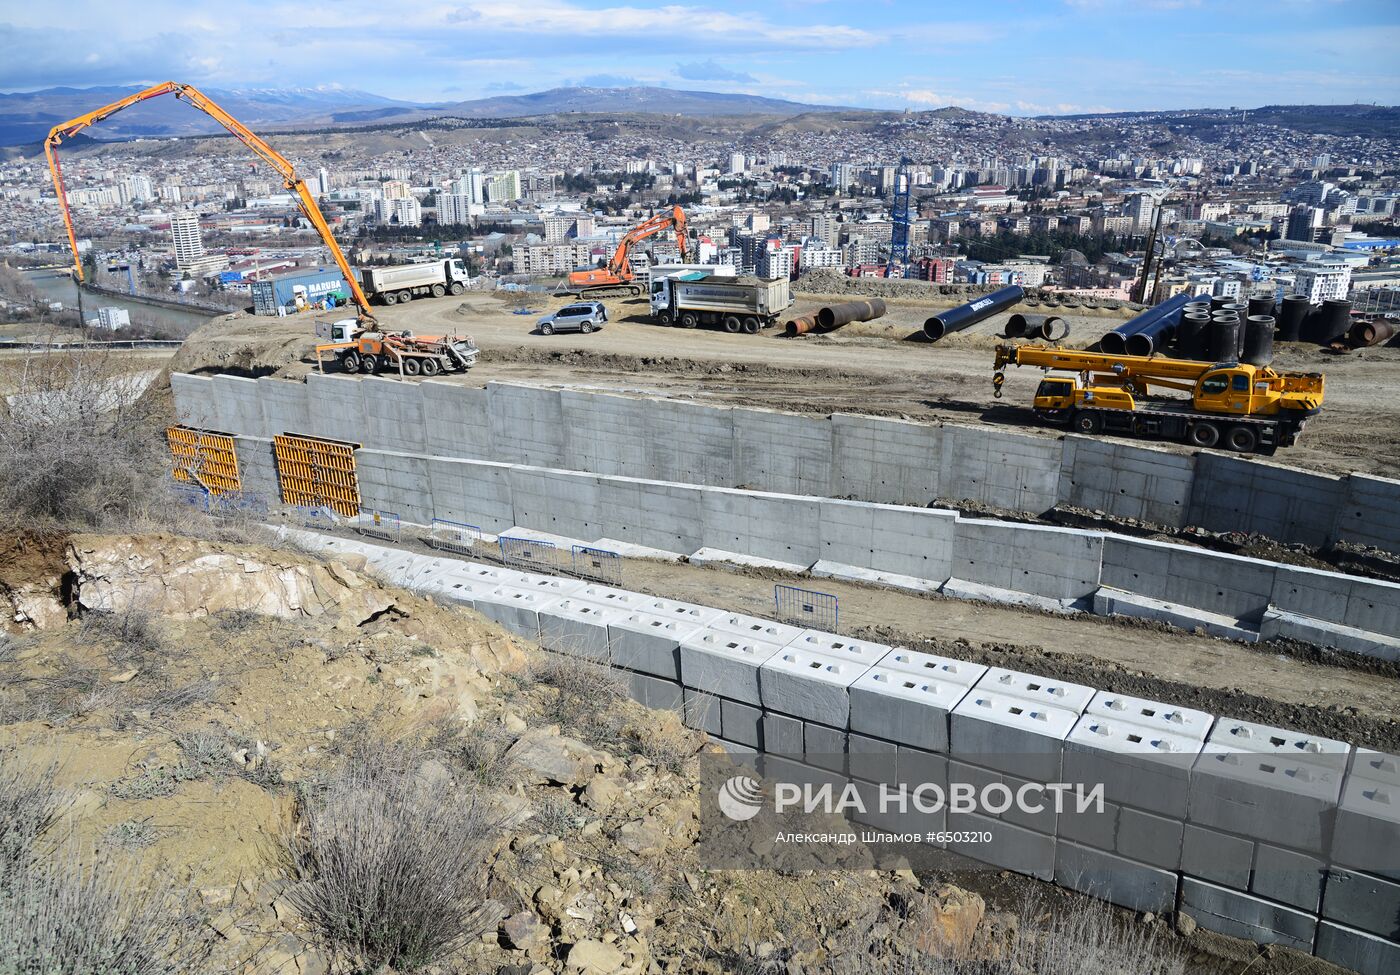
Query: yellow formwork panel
<point x="317" y="473"/>
<point x="206" y="458"/>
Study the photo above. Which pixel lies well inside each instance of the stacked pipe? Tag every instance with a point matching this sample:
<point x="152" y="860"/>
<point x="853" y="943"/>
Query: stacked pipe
<point x="967" y="315"/>
<point x="1193" y="334"/>
<point x="1156" y="324"/>
<point x="1292" y="313"/>
<point x="1050" y="327"/>
<point x="1261" y="305"/>
<point x="1224" y="343"/>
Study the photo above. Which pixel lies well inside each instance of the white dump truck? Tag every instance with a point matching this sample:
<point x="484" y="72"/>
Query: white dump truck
<point x="404" y="282"/>
<point x="735" y="304"/>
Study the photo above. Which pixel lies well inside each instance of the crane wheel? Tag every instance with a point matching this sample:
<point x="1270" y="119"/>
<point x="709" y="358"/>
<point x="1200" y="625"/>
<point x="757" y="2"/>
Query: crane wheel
<point x="1242" y="439"/>
<point x="1090" y="423"/>
<point x="390" y="298"/>
<point x="731" y="323"/>
<point x="689" y="321"/>
<point x="457" y="287"/>
<point x="411" y="366"/>
<point x="751" y="325"/>
<point x="369" y="364"/>
<point x="350" y="362"/>
<point x="439" y="290"/>
<point x="431" y="367"/>
<point x="1204" y="434"/>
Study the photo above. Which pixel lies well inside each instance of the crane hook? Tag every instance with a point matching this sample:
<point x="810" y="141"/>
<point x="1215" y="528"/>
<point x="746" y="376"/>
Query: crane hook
<point x="998" y="378"/>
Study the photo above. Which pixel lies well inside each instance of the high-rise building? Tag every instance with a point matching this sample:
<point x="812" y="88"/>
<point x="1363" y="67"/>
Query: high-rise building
<point x="397" y="189"/>
<point x="737" y="162"/>
<point x="1322" y="281"/>
<point x="185" y="235"/>
<point x="1303" y="223"/>
<point x="323" y="182"/>
<point x="556" y="227"/>
<point x="406" y="212"/>
<point x="455" y="208"/>
<point x="137" y="189"/>
<point x="503" y="186"/>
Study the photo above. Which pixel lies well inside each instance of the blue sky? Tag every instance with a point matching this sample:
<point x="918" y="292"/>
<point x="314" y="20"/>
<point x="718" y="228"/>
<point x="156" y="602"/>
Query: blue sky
<point x="1013" y="56"/>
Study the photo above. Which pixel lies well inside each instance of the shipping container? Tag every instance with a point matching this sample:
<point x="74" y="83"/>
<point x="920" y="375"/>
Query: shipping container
<point x="299" y="291"/>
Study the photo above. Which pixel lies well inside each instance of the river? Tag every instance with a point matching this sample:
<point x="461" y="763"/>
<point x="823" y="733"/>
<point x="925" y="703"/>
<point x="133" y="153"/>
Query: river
<point x="59" y="286"/>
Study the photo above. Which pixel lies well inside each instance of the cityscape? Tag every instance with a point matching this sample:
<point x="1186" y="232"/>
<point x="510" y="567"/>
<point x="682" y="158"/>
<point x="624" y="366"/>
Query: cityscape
<point x="647" y="487"/>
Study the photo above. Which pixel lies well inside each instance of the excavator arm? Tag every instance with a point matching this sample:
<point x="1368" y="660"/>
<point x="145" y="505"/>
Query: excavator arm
<point x="188" y="93"/>
<point x="619" y="269"/>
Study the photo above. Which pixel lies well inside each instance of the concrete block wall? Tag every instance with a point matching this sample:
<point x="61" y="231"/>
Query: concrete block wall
<point x="1251" y="830"/>
<point x="841" y="455"/>
<point x="1043" y="566"/>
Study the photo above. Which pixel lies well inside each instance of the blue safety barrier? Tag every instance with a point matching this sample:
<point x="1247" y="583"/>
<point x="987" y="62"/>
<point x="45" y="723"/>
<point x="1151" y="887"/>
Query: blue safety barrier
<point x="598" y="564"/>
<point x="806" y="607"/>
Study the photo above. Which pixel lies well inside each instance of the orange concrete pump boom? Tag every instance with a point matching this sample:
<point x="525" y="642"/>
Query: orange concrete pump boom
<point x="271" y="156"/>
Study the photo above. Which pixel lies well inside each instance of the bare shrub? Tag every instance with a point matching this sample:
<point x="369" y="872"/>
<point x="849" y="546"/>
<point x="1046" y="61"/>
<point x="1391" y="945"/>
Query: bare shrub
<point x="389" y="870"/>
<point x="62" y="917"/>
<point x="216" y="752"/>
<point x="134" y="630"/>
<point x="29" y="805"/>
<point x="80" y="447"/>
<point x="585" y="689"/>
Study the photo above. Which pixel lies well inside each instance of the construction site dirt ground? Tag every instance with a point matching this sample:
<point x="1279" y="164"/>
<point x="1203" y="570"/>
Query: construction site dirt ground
<point x="875" y="368"/>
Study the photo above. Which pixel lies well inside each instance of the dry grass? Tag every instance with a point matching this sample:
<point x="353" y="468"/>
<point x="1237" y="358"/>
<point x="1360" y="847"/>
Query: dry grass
<point x="388" y="870"/>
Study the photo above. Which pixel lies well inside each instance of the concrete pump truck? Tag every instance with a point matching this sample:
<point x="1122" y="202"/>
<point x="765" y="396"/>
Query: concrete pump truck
<point x="360" y="343"/>
<point x="1245" y="408"/>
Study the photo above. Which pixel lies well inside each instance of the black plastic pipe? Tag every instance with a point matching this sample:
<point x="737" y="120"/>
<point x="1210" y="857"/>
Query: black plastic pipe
<point x="1258" y="340"/>
<point x="1224" y="339"/>
<point x="1292" y="313"/>
<point x="965" y="316"/>
<point x="1329" y="322"/>
<point x="1192" y="335"/>
<point x="1261" y="305"/>
<point x="1116" y="341"/>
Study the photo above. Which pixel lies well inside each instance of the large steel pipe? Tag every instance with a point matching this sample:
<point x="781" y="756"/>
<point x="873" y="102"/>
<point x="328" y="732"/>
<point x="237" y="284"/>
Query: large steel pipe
<point x="1292" y="313"/>
<point x="1365" y="334"/>
<point x="834" y="316"/>
<point x="1116" y="341"/>
<point x="965" y="316"/>
<point x="801" y="326"/>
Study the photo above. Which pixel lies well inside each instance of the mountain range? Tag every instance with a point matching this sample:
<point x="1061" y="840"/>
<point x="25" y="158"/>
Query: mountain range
<point x="27" y="117"/>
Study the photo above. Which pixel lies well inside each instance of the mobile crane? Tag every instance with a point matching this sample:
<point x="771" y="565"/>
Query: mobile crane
<point x="1241" y="407"/>
<point x="616" y="278"/>
<point x="360" y="342"/>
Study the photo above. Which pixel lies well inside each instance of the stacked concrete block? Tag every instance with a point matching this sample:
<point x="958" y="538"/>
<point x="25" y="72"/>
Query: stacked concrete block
<point x="1137" y="483"/>
<point x="724" y="664"/>
<point x="527" y="424"/>
<point x="1113" y="878"/>
<point x="1367" y="512"/>
<point x="653" y="692"/>
<point x="916" y="543"/>
<point x="285" y="405"/>
<point x="1368" y="903"/>
<point x="1356" y="950"/>
<point x="782" y="452"/>
<point x="518" y="610"/>
<point x="813" y="684"/>
<point x="576" y="628"/>
<point x="394" y="418"/>
<point x="648" y="643"/>
<point x="1367" y="834"/>
<point x="336" y="407"/>
<point x="456" y="421"/>
<point x="1005" y="470"/>
<point x="1234" y="494"/>
<point x="458" y="587"/>
<point x="756" y="628"/>
<point x="240" y="407"/>
<point x="886" y="461"/>
<point x="1008" y="733"/>
<point x="1060" y="564"/>
<point x="1240" y="915"/>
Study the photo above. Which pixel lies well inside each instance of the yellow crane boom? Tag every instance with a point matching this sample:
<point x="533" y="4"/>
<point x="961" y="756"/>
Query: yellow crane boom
<point x="1243" y="406"/>
<point x="188" y="93"/>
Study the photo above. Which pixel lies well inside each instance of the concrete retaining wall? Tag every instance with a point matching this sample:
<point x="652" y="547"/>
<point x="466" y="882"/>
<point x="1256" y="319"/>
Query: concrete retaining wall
<point x="842" y="455"/>
<point x="1256" y="832"/>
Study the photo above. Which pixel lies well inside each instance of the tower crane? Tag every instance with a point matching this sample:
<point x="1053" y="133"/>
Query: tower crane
<point x="359" y="343"/>
<point x="617" y="277"/>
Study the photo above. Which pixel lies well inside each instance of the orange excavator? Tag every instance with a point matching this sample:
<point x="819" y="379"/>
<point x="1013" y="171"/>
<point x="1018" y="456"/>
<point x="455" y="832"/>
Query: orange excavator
<point x="360" y="343"/>
<point x="616" y="278"/>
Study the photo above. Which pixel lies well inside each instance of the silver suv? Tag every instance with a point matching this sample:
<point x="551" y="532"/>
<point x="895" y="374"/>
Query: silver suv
<point x="585" y="316"/>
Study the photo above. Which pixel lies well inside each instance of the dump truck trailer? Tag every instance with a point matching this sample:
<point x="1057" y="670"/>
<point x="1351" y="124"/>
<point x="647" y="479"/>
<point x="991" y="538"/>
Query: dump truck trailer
<point x="404" y="282"/>
<point x="735" y="304"/>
